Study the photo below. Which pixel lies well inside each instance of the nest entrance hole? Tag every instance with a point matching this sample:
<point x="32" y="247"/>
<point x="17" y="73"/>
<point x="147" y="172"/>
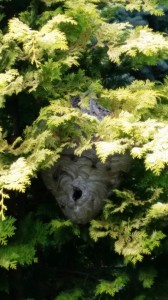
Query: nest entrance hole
<point x="77" y="193"/>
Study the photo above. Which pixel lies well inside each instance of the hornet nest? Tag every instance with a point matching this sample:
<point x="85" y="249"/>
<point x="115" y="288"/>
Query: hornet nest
<point x="80" y="184"/>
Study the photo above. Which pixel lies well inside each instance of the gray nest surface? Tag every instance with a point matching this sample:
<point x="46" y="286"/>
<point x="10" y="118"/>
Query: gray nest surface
<point x="80" y="184"/>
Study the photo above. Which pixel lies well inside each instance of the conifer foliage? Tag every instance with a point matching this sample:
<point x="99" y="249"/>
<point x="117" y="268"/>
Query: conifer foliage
<point x="115" y="53"/>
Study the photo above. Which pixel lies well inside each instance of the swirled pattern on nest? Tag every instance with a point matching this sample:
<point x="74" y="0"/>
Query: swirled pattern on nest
<point x="80" y="184"/>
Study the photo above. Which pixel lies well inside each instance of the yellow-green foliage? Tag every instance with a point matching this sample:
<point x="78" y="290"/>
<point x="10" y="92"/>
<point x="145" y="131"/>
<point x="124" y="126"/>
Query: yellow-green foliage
<point x="147" y="277"/>
<point x="132" y="235"/>
<point x="59" y="228"/>
<point x="48" y="38"/>
<point x="70" y="295"/>
<point x="51" y="50"/>
<point x="49" y="59"/>
<point x="23" y="250"/>
<point x="122" y="39"/>
<point x="111" y="288"/>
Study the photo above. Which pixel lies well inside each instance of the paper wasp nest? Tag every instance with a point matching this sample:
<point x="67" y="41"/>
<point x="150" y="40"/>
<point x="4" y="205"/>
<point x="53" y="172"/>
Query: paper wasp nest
<point x="80" y="184"/>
